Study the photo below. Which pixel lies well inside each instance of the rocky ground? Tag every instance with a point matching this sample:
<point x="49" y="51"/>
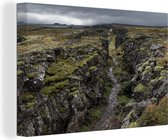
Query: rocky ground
<point x="92" y="78"/>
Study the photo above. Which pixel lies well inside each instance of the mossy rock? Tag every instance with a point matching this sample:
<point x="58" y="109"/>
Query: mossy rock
<point x="48" y="90"/>
<point x="20" y="72"/>
<point x="140" y="88"/>
<point x="64" y="68"/>
<point x="55" y="78"/>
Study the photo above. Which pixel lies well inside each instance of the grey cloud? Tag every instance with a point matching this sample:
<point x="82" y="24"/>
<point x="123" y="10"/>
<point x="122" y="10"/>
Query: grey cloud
<point x="49" y="14"/>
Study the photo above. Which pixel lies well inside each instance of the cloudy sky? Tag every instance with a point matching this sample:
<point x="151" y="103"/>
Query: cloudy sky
<point x="49" y="14"/>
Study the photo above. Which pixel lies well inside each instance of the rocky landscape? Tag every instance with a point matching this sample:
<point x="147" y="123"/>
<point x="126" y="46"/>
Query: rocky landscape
<point x="91" y="78"/>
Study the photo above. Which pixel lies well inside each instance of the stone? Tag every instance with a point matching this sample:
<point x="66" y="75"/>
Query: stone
<point x="155" y="47"/>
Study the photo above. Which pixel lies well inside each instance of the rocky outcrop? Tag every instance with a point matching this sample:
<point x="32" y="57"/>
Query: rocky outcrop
<point x="144" y="58"/>
<point x="57" y="86"/>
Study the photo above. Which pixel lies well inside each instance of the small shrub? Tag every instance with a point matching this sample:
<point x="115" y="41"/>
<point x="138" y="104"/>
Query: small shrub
<point x="155" y="115"/>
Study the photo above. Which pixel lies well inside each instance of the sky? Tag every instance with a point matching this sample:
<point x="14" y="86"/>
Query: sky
<point x="50" y="14"/>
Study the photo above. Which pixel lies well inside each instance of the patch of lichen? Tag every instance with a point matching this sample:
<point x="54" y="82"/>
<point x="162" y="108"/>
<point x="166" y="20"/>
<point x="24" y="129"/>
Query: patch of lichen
<point x="155" y="114"/>
<point x="48" y="90"/>
<point x="59" y="71"/>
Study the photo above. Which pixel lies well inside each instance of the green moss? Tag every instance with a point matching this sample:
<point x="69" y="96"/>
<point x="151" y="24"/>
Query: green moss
<point x="123" y="100"/>
<point x="61" y="70"/>
<point x="140" y="88"/>
<point x="93" y="68"/>
<point x="55" y="78"/>
<point x="73" y="88"/>
<point x="30" y="105"/>
<point x="19" y="72"/>
<point x="74" y="93"/>
<point x="32" y="75"/>
<point x="25" y="97"/>
<point x="48" y="90"/>
<point x="62" y="84"/>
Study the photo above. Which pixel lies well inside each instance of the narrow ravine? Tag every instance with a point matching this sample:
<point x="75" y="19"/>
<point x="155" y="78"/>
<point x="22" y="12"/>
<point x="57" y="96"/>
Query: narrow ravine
<point x="108" y="118"/>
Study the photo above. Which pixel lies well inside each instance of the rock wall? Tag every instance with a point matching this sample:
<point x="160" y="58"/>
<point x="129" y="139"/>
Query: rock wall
<point x="144" y="71"/>
<point x="57" y="86"/>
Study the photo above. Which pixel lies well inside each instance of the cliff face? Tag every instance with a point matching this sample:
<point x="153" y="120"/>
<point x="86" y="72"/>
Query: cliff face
<point x="57" y="86"/>
<point x="143" y="96"/>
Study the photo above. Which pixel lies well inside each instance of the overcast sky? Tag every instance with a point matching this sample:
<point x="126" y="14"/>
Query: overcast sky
<point x="49" y="14"/>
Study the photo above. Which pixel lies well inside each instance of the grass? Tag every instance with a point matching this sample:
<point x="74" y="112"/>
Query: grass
<point x="48" y="90"/>
<point x="64" y="68"/>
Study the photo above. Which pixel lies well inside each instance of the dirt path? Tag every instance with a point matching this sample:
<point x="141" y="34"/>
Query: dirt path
<point x="108" y="119"/>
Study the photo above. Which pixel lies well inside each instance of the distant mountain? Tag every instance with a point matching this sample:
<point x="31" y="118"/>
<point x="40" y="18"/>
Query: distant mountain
<point x="58" y="24"/>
